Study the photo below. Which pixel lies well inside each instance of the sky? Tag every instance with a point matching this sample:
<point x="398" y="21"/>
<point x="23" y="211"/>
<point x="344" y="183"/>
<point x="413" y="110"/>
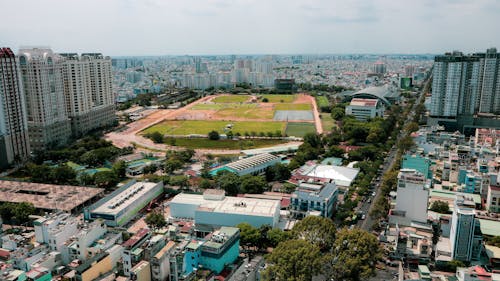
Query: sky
<point x="207" y="27"/>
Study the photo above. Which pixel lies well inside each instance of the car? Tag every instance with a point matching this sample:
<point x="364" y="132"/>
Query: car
<point x="363" y="216"/>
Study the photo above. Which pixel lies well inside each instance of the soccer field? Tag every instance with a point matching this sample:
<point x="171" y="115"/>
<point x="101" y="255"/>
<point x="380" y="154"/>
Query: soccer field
<point x="201" y="127"/>
<point x="280" y="98"/>
<point x="231" y="99"/>
<point x="299" y="129"/>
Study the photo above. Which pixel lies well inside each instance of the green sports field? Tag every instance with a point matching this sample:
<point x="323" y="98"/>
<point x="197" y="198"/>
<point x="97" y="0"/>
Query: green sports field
<point x="280" y="98"/>
<point x="223" y="144"/>
<point x="202" y="127"/>
<point x="231" y="99"/>
<point x="293" y="106"/>
<point x="299" y="129"/>
<point x="322" y="101"/>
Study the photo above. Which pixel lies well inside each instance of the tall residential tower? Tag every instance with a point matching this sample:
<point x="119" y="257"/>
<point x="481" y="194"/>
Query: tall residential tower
<point x="14" y="143"/>
<point x="41" y="76"/>
<point x="88" y="91"/>
<point x="466" y="89"/>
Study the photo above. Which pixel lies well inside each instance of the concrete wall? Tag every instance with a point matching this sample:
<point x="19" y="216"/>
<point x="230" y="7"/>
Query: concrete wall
<point x="225" y="219"/>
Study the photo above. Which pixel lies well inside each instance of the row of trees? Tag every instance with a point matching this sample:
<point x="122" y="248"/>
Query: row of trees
<point x="63" y="174"/>
<point x="91" y="151"/>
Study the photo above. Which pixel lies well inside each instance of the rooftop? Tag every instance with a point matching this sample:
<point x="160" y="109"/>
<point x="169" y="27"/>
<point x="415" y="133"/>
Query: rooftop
<point x="234" y="205"/>
<point x="47" y="196"/>
<point x="364" y="102"/>
<point x="252" y="161"/>
<point x="340" y="175"/>
<point x="125" y="198"/>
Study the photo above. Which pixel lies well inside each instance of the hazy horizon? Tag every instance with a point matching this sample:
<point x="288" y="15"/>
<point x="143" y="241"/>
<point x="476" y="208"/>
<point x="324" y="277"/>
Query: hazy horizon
<point x="246" y="27"/>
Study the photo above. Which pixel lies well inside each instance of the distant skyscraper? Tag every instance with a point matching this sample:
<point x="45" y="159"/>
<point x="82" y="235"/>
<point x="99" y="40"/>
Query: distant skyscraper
<point x="465" y="235"/>
<point x="88" y="91"/>
<point x="14" y="142"/>
<point x="409" y="70"/>
<point x="379" y="68"/>
<point x="489" y="101"/>
<point x="41" y="75"/>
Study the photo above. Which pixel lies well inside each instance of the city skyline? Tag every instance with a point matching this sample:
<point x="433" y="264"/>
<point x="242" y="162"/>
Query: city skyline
<point x="129" y="28"/>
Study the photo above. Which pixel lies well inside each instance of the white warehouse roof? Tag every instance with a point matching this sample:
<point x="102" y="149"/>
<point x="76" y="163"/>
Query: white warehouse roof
<point x="230" y="205"/>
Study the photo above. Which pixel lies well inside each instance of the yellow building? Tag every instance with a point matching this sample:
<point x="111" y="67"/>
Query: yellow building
<point x="141" y="271"/>
<point x="95" y="267"/>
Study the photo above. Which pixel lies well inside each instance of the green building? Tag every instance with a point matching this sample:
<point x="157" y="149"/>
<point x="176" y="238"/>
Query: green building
<point x="419" y="163"/>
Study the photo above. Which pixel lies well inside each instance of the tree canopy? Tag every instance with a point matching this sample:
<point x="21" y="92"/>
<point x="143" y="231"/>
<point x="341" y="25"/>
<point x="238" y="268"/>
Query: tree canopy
<point x="317" y="230"/>
<point x="293" y="260"/>
<point x="353" y="256"/>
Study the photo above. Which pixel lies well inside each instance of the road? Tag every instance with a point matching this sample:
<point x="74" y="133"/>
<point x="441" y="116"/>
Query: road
<point x="366" y="207"/>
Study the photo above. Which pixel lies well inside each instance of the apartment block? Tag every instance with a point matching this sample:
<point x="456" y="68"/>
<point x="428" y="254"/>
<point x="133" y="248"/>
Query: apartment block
<point x="14" y="143"/>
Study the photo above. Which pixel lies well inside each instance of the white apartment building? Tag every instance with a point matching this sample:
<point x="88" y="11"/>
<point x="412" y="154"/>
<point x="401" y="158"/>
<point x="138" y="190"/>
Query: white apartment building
<point x="88" y="91"/>
<point x="412" y="195"/>
<point x="364" y="109"/>
<point x="55" y="230"/>
<point x="14" y="142"/>
<point x="41" y="76"/>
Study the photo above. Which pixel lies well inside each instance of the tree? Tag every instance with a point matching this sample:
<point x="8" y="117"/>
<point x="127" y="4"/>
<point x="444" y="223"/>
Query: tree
<point x="156" y="137"/>
<point x="253" y="184"/>
<point x="405" y="143"/>
<point x="335" y="151"/>
<point x="411" y="127"/>
<point x="278" y="172"/>
<point x="120" y="168"/>
<point x="338" y="113"/>
<point x="156" y="220"/>
<point x="440" y="207"/>
<point x="229" y="135"/>
<point x="105" y="179"/>
<point x="205" y="184"/>
<point x="317" y="230"/>
<point x="16" y="213"/>
<point x="39" y="173"/>
<point x="63" y="174"/>
<point x="293" y="260"/>
<point x="150" y="169"/>
<point x="276" y="236"/>
<point x="229" y="182"/>
<point x="172" y="165"/>
<point x="181" y="181"/>
<point x="249" y="235"/>
<point x="265" y="100"/>
<point x="213" y="135"/>
<point x="353" y="257"/>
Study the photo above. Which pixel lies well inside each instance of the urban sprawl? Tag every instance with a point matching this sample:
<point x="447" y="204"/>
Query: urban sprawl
<point x="243" y="168"/>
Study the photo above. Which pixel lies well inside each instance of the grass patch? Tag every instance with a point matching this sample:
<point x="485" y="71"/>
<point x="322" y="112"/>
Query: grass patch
<point x="208" y="106"/>
<point x="176" y="127"/>
<point x="299" y="129"/>
<point x="322" y="101"/>
<point x="223" y="144"/>
<point x="248" y="111"/>
<point x="327" y="121"/>
<point x="293" y="106"/>
<point x="231" y="99"/>
<point x="280" y="98"/>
